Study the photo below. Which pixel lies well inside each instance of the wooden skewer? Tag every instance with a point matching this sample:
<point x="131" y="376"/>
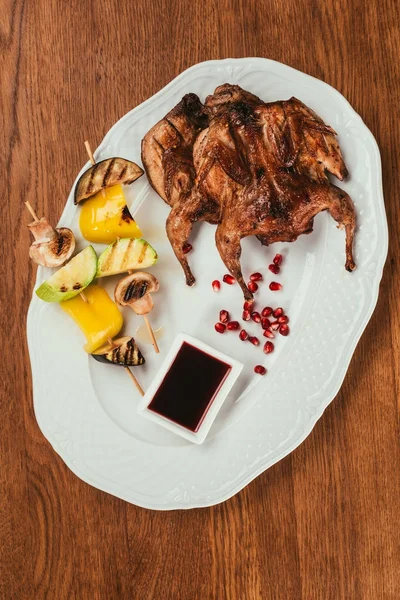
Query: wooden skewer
<point x="135" y="381"/>
<point x="34" y="215"/>
<point x="127" y="369"/>
<point x="36" y="219"/>
<point x="90" y="153"/>
<point x="151" y="334"/>
<point x="92" y="160"/>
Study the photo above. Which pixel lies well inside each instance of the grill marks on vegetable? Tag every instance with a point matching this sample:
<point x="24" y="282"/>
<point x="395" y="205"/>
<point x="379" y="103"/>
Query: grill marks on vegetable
<point x="136" y="290"/>
<point x="142" y="253"/>
<point x="114" y="249"/>
<point x="126" y="215"/>
<point x="123" y="352"/>
<point x="106" y="173"/>
<point x="127" y="354"/>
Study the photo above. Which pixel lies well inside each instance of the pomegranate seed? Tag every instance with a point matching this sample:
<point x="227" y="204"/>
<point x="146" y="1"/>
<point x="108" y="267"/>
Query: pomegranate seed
<point x="284" y="329"/>
<point x="248" y="305"/>
<point x="246" y="315"/>
<point x="233" y="325"/>
<point x="265" y="323"/>
<point x="268" y="347"/>
<point x="278" y="312"/>
<point x="260" y="370"/>
<point x="256" y="316"/>
<point x="266" y="311"/>
<point x="223" y="316"/>
<point x="277" y="260"/>
<point x="254" y="340"/>
<point x="243" y="335"/>
<point x="256" y="277"/>
<point x="187" y="247"/>
<point x="216" y="286"/>
<point x="253" y="287"/>
<point x="274" y="269"/>
<point x="274" y="286"/>
<point x="268" y="333"/>
<point x="220" y="327"/>
<point x="275" y="325"/>
<point x="229" y="279"/>
<point x="283" y="319"/>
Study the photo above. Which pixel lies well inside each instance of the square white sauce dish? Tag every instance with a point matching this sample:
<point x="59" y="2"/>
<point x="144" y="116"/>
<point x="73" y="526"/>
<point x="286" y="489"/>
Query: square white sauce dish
<point x="190" y="388"/>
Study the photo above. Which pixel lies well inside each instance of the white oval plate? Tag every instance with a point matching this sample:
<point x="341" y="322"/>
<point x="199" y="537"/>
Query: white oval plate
<point x="88" y="410"/>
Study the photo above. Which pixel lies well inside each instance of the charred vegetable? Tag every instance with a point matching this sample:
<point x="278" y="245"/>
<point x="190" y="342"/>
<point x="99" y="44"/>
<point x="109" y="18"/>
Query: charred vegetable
<point x="97" y="316"/>
<point x="70" y="280"/>
<point x="52" y="247"/>
<point x="105" y="217"/>
<point x="104" y="174"/>
<point x="124" y="352"/>
<point x="125" y="255"/>
<point x="134" y="286"/>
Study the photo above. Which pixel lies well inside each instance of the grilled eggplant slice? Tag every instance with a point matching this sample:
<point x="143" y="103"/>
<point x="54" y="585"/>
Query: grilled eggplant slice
<point x="124" y="353"/>
<point x="105" y="174"/>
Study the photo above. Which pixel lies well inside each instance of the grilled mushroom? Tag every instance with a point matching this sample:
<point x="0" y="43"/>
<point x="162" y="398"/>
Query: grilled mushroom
<point x="52" y="247"/>
<point x="105" y="174"/>
<point x="123" y="352"/>
<point x="134" y="291"/>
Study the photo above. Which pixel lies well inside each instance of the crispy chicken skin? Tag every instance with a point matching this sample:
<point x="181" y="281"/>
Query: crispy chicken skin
<point x="260" y="169"/>
<point x="167" y="156"/>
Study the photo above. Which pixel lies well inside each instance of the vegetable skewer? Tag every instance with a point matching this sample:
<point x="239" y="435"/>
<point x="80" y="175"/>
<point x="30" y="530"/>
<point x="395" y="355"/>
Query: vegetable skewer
<point x="146" y="320"/>
<point x="36" y="220"/>
<point x="131" y="375"/>
<point x="84" y="298"/>
<point x="134" y="291"/>
<point x="100" y="320"/>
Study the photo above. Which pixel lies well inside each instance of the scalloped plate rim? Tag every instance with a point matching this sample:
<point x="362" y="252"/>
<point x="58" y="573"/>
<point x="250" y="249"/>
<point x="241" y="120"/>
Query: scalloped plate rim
<point x="350" y="346"/>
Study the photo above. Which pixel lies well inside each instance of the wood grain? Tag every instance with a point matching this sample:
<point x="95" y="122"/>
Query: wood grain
<point x="324" y="522"/>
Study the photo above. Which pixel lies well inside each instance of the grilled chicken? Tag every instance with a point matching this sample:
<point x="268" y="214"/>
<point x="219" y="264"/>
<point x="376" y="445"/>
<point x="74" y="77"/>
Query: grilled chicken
<point x="167" y="155"/>
<point x="262" y="167"/>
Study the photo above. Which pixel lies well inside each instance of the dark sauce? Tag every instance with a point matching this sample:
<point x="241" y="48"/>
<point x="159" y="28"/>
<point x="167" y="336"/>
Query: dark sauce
<point x="190" y="386"/>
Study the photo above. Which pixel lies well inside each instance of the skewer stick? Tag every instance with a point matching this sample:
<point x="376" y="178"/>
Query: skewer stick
<point x="36" y="219"/>
<point x="34" y="215"/>
<point x="151" y="334"/>
<point x="135" y="381"/>
<point x="90" y="153"/>
<point x="149" y="328"/>
<point x="92" y="160"/>
<point x="127" y="369"/>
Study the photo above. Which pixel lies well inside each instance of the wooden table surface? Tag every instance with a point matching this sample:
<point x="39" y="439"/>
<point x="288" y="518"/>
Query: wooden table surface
<point x="324" y="522"/>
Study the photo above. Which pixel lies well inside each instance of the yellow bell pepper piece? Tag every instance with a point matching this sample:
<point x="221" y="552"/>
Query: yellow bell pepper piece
<point x="99" y="318"/>
<point x="105" y="217"/>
